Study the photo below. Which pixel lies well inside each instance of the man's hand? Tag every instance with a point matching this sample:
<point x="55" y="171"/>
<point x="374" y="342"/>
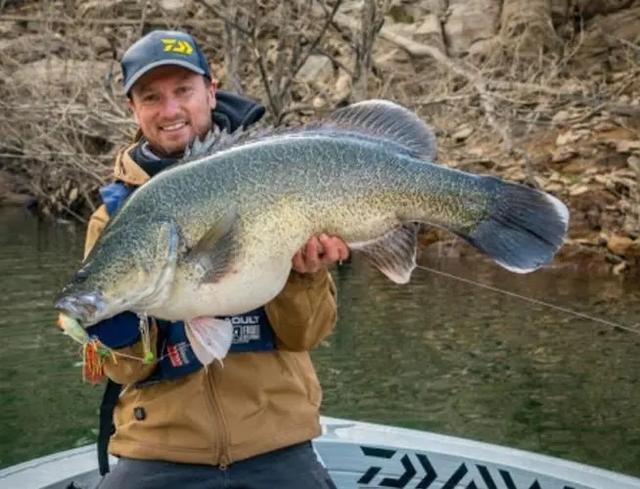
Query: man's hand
<point x="320" y="251"/>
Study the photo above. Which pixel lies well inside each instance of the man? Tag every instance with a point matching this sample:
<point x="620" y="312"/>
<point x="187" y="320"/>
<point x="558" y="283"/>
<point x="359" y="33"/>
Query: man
<point x="245" y="424"/>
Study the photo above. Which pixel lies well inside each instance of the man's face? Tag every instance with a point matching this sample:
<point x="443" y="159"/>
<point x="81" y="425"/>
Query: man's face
<point x="172" y="106"/>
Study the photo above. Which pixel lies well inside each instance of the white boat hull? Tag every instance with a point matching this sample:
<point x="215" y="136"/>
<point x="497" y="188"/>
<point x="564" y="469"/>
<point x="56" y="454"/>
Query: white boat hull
<point x="364" y="455"/>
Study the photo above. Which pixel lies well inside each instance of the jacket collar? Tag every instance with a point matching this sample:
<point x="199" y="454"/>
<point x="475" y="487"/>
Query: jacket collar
<point x="128" y="171"/>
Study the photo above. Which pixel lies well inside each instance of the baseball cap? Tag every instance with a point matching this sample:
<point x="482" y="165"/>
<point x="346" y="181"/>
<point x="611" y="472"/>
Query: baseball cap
<point x="159" y="48"/>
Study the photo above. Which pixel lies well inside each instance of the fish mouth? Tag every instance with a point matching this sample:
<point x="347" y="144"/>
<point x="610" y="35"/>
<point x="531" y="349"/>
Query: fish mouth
<point x="85" y="307"/>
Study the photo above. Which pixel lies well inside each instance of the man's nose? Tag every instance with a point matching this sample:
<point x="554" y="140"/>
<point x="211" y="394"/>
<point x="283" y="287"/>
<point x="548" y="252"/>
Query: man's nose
<point x="170" y="107"/>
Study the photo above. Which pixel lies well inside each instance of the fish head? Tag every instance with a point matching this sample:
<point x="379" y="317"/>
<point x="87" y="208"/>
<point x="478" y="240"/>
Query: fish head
<point x="131" y="268"/>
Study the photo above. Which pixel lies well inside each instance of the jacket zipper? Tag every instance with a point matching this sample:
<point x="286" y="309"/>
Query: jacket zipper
<point x="223" y="458"/>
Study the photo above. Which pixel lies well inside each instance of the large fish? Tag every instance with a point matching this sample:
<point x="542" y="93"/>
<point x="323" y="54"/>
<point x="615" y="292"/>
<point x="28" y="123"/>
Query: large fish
<point x="215" y="236"/>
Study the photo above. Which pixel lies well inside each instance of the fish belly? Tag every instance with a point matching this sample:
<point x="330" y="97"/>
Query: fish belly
<point x="243" y="289"/>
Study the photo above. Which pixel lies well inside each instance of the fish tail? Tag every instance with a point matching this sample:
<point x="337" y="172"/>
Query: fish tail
<point x="523" y="228"/>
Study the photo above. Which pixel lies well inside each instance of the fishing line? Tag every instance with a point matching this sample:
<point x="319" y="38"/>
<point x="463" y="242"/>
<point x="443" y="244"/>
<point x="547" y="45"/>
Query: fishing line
<point x="531" y="300"/>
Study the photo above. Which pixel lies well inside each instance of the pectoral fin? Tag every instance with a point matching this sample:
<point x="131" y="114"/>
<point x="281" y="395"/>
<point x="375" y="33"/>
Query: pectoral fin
<point x="212" y="255"/>
<point x="394" y="254"/>
<point x="210" y="338"/>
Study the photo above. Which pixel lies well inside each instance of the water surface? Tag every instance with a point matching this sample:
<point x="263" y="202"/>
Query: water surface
<point x="437" y="355"/>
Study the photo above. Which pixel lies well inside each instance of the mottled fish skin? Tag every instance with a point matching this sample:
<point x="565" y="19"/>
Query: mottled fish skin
<point x="269" y="195"/>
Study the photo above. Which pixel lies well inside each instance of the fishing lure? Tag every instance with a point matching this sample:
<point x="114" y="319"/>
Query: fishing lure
<point x="94" y="356"/>
<point x="71" y="327"/>
<point x="94" y="353"/>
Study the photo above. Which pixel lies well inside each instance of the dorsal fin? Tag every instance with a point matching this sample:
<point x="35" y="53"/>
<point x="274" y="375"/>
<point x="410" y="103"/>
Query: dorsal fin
<point x="379" y="119"/>
<point x="386" y="120"/>
<point x="215" y="141"/>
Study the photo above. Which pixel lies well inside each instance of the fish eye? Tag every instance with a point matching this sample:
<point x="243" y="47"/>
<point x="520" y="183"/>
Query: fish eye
<point x="82" y="275"/>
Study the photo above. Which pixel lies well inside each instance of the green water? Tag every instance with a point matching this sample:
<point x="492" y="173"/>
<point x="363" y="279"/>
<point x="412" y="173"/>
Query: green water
<point x="437" y="355"/>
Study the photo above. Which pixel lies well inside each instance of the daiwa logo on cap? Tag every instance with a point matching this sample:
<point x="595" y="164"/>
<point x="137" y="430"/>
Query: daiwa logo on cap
<point x="160" y="48"/>
<point x="177" y="46"/>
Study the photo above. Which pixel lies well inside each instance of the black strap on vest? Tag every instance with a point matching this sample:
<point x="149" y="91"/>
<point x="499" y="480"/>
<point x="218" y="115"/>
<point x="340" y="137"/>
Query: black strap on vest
<point x="106" y="428"/>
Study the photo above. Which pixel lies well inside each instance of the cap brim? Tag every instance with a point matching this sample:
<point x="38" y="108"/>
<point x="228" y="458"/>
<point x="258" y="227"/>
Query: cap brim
<point x="184" y="64"/>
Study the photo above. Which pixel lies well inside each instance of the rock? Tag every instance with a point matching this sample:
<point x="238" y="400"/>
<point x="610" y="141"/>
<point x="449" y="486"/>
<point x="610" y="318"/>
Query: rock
<point x="627" y="146"/>
<point x="428" y="235"/>
<point x="20" y="49"/>
<point x="437" y="7"/>
<point x="7" y="28"/>
<point x="97" y="8"/>
<point x="319" y="102"/>
<point x="577" y="167"/>
<point x="469" y="21"/>
<point x="603" y="36"/>
<point x="618" y="245"/>
<point x="429" y="31"/>
<point x="561" y="116"/>
<point x="401" y="13"/>
<point x="173" y="6"/>
<point x="351" y="7"/>
<point x="316" y="68"/>
<point x="462" y="132"/>
<point x="343" y="86"/>
<point x="73" y="195"/>
<point x="634" y="249"/>
<point x="526" y="28"/>
<point x="604" y="126"/>
<point x="567" y="138"/>
<point x="634" y="163"/>
<point x="101" y="45"/>
<point x="62" y="73"/>
<point x="393" y="57"/>
<point x="576" y="190"/>
<point x="553" y="187"/>
<point x="476" y="151"/>
<point x="559" y="11"/>
<point x="589" y="8"/>
<point x="401" y="29"/>
<point x="563" y="153"/>
<point x="483" y="48"/>
<point x="619" y="268"/>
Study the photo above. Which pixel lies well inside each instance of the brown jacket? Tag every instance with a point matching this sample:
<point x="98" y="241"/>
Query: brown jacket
<point x="255" y="403"/>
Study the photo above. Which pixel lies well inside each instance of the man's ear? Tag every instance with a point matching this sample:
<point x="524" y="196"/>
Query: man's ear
<point x="132" y="108"/>
<point x="213" y="88"/>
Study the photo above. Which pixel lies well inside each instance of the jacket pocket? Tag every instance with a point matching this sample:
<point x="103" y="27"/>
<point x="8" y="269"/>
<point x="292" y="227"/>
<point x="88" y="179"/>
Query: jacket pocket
<point x="173" y="414"/>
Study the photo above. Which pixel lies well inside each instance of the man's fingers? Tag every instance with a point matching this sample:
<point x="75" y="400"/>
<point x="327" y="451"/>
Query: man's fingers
<point x="313" y="248"/>
<point x="318" y="252"/>
<point x="311" y="259"/>
<point x="343" y="250"/>
<point x="298" y="262"/>
<point x="331" y="251"/>
<point x="335" y="249"/>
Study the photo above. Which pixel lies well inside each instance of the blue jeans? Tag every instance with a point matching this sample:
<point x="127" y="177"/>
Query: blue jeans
<point x="293" y="467"/>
